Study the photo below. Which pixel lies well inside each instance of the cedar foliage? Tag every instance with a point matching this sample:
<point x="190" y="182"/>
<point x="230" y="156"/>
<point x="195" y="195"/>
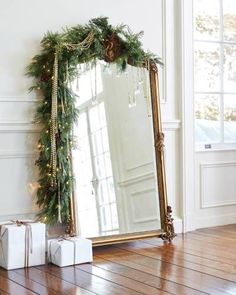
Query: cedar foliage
<point x="41" y="69"/>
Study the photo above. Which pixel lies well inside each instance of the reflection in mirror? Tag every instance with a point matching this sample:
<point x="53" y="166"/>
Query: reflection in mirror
<point x="114" y="162"/>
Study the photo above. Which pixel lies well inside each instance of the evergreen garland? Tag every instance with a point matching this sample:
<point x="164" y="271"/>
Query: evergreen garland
<point x="41" y="68"/>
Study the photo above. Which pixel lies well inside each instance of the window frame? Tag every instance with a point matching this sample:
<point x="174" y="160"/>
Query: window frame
<point x="222" y="144"/>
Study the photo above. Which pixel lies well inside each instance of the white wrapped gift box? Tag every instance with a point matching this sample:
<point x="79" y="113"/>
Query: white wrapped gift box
<point x="22" y="244"/>
<point x="70" y="251"/>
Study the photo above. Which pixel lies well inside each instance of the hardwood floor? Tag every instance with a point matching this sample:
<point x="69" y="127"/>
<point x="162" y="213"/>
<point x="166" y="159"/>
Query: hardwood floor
<point x="200" y="262"/>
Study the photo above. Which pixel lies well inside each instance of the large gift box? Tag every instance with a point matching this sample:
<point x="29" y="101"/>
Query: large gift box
<point x="70" y="251"/>
<point x="22" y="244"/>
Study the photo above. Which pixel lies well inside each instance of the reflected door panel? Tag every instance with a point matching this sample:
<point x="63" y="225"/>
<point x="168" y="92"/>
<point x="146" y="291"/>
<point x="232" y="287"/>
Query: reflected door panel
<point x="114" y="161"/>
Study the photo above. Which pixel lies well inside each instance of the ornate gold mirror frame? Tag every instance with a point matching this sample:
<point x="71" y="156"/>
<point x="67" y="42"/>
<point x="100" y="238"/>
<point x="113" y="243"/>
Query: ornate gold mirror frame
<point x="52" y="69"/>
<point x="166" y="232"/>
<point x="167" y="227"/>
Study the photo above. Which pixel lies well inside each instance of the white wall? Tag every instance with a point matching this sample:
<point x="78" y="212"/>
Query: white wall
<point x="208" y="182"/>
<point x="215" y="187"/>
<point x="22" y="26"/>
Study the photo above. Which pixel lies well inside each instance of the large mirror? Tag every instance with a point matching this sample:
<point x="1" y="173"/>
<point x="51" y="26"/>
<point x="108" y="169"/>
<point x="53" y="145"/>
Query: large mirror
<point x="116" y="190"/>
<point x="112" y="186"/>
<point x="114" y="163"/>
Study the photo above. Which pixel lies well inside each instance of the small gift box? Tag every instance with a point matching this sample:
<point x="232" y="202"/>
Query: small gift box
<point x="22" y="244"/>
<point x="69" y="251"/>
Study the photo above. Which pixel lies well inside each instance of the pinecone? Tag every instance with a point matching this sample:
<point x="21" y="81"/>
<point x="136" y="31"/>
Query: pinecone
<point x="113" y="48"/>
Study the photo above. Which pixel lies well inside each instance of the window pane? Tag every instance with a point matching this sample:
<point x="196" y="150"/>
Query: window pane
<point x="100" y="166"/>
<point x="229" y="8"/>
<point x="106" y="221"/>
<point x="230" y="68"/>
<point x="88" y="82"/>
<point x="230" y="117"/>
<point x="102" y="114"/>
<point x="97" y="143"/>
<point x="207" y="19"/>
<point x="94" y="119"/>
<point x="207" y="67"/>
<point x="114" y="216"/>
<point x="107" y="159"/>
<point x="105" y="141"/>
<point x="207" y="114"/>
<point x="111" y="189"/>
<point x="103" y="192"/>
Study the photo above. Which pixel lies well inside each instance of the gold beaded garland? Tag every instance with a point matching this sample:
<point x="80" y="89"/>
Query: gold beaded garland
<point x="53" y="159"/>
<point x="85" y="44"/>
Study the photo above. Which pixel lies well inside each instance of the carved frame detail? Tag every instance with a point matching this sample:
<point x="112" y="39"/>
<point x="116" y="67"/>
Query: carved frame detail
<point x="167" y="226"/>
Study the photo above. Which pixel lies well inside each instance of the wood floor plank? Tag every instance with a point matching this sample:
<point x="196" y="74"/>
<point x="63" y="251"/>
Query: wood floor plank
<point x="216" y="239"/>
<point x="146" y="278"/>
<point x="121" y="280"/>
<point x="182" y="260"/>
<point x="10" y="287"/>
<point x="87" y="281"/>
<point x="190" y="239"/>
<point x="219" y="247"/>
<point x="230" y="227"/>
<point x="221" y="241"/>
<point x="185" y="276"/>
<point x="51" y="282"/>
<point x="155" y="253"/>
<point x="220" y="227"/>
<point x="27" y="283"/>
<point x="204" y="265"/>
<point x="198" y="249"/>
<point x="196" y="263"/>
<point x="226" y="232"/>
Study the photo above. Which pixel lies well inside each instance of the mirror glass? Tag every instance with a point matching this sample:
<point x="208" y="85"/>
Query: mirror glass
<point x="114" y="161"/>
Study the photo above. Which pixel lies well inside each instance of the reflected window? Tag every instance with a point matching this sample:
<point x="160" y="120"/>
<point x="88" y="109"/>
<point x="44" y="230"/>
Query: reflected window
<point x="88" y="84"/>
<point x="215" y="71"/>
<point x="93" y="169"/>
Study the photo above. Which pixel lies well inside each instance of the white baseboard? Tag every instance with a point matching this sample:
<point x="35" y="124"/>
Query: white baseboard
<point x="178" y="225"/>
<point x="194" y="222"/>
<point x="189" y="223"/>
<point x="216" y="220"/>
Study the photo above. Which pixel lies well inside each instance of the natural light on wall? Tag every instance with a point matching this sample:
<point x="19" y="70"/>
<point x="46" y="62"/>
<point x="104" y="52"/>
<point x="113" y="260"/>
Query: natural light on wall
<point x="215" y="72"/>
